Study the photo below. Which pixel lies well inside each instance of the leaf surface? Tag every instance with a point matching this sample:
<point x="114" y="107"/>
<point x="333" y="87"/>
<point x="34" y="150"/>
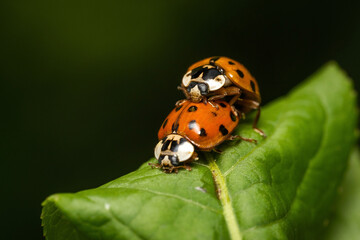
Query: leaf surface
<point x="280" y="188"/>
<point x="345" y="222"/>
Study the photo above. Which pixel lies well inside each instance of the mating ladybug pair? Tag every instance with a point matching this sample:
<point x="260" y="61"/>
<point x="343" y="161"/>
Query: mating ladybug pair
<point x="218" y="90"/>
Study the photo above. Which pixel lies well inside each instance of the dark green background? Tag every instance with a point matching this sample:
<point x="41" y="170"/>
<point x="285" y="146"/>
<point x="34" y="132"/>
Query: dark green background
<point x="85" y="85"/>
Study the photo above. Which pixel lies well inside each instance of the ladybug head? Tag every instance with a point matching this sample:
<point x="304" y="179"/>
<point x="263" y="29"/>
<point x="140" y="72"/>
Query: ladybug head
<point x="173" y="150"/>
<point x="197" y="90"/>
<point x="202" y="80"/>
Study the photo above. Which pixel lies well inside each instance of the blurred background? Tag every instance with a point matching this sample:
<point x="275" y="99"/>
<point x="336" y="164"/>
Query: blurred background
<point x="86" y="85"/>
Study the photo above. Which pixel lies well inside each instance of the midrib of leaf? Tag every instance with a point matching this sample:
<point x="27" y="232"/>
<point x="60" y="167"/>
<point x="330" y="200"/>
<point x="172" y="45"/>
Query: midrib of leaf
<point x="224" y="197"/>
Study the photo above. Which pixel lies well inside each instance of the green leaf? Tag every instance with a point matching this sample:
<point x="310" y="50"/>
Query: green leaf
<point x="281" y="188"/>
<point x="345" y="222"/>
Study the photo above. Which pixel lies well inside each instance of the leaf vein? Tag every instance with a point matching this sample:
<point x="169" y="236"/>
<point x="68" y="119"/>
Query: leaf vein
<point x="177" y="197"/>
<point x="284" y="216"/>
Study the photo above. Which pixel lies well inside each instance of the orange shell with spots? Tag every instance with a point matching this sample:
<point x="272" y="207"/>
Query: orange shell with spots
<point x="202" y="124"/>
<point x="236" y="73"/>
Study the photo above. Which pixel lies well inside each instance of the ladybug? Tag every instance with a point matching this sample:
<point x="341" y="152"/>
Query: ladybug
<point x="193" y="126"/>
<point x="221" y="77"/>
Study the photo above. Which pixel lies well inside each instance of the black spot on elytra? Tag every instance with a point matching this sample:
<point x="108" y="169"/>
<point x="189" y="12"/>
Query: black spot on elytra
<point x="231" y="63"/>
<point x="240" y="73"/>
<point x="192" y="109"/>
<point x="223" y="105"/>
<point x="232" y="116"/>
<point x="192" y="124"/>
<point x="174" y="127"/>
<point x="178" y="108"/>
<point x="252" y="84"/>
<point x="213" y="60"/>
<point x="223" y="130"/>
<point x="214" y="113"/>
<point x="203" y="132"/>
<point x="165" y="122"/>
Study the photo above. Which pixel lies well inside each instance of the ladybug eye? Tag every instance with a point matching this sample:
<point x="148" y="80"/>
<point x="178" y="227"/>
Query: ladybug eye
<point x="186" y="79"/>
<point x="216" y="83"/>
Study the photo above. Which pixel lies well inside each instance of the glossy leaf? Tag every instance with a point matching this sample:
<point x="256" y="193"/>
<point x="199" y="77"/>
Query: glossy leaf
<point x="281" y="188"/>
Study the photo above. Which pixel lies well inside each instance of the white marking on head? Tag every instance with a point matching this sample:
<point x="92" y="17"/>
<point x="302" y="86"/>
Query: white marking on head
<point x="216" y="83"/>
<point x="157" y="149"/>
<point x="185" y="151"/>
<point x="186" y="79"/>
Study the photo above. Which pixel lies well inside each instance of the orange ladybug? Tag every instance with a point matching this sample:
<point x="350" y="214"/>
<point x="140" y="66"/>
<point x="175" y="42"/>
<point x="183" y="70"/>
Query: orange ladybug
<point x="190" y="126"/>
<point x="221" y="77"/>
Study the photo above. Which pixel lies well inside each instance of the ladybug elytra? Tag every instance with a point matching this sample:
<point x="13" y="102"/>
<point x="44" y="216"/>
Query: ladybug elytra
<point x="193" y="126"/>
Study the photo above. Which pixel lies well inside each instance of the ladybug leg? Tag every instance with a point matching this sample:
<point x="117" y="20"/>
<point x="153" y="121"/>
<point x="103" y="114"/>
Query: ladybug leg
<point x="176" y="169"/>
<point x="235" y="137"/>
<point x="217" y="97"/>
<point x="217" y="151"/>
<point x="236" y="112"/>
<point x="234" y="99"/>
<point x="183" y="89"/>
<point x="258" y="130"/>
<point x="205" y="100"/>
<point x="178" y="103"/>
<point x="243" y="116"/>
<point x="154" y="165"/>
<point x="227" y="91"/>
<point x="250" y="104"/>
<point x="187" y="167"/>
<point x="168" y="170"/>
<point x="214" y="105"/>
<point x="195" y="156"/>
<point x="171" y="169"/>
